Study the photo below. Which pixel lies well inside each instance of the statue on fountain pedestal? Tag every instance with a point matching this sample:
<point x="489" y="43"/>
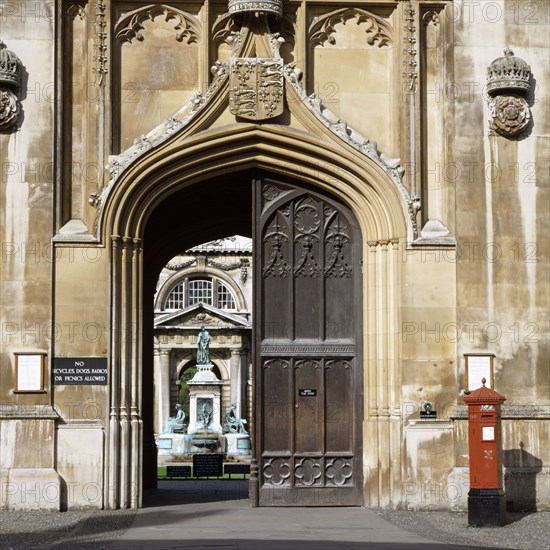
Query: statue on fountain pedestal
<point x="203" y="347"/>
<point x="234" y="424"/>
<point x="176" y="423"/>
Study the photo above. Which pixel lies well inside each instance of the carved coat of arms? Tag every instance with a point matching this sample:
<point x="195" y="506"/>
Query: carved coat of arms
<point x="256" y="87"/>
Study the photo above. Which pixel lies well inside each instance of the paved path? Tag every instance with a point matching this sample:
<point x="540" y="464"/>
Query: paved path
<point x="196" y="519"/>
<point x="214" y="515"/>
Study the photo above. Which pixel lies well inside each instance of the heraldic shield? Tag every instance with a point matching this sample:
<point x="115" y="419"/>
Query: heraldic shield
<point x="256" y="87"/>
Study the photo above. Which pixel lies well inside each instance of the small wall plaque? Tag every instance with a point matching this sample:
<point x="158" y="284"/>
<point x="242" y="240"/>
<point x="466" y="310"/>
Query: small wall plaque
<point x="478" y="366"/>
<point x="29" y="372"/>
<point x="307" y="393"/>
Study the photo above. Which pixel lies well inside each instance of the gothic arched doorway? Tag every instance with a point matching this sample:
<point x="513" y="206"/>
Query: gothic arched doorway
<point x="307" y="319"/>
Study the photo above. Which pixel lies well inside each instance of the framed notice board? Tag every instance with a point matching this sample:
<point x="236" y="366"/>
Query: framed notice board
<point x="478" y="366"/>
<point x="29" y="372"/>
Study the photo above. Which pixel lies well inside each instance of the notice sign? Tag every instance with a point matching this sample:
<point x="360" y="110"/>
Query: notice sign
<point x="307" y="392"/>
<point x="208" y="465"/>
<point x="86" y="371"/>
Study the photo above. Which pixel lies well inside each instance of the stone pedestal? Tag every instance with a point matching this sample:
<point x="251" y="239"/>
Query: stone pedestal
<point x="171" y="444"/>
<point x="204" y="406"/>
<point x="237" y="444"/>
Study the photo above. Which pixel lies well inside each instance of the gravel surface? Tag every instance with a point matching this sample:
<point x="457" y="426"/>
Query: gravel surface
<point x="522" y="532"/>
<point x="63" y="531"/>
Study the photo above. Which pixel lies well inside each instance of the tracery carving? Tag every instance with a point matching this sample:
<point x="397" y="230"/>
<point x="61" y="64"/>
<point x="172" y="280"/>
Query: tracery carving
<point x="270" y="192"/>
<point x="336" y="237"/>
<point x="276" y="471"/>
<point x="308" y="472"/>
<point x="307" y="222"/>
<point x="430" y="17"/>
<point x="130" y="25"/>
<point x="275" y="238"/>
<point x="339" y="471"/>
<point x="323" y="28"/>
<point x="225" y="30"/>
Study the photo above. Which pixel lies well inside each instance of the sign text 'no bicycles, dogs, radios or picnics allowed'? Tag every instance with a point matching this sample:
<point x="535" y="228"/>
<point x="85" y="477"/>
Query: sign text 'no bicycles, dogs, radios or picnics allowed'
<point x="87" y="371"/>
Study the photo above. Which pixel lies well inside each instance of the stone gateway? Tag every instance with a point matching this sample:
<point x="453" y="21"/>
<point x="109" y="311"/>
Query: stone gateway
<point x="385" y="161"/>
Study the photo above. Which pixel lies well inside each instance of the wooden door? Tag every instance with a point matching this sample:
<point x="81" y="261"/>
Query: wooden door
<point x="308" y="370"/>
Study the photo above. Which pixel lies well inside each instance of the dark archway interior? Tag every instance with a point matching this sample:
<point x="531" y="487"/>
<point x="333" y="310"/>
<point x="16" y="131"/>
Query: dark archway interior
<point x="208" y="210"/>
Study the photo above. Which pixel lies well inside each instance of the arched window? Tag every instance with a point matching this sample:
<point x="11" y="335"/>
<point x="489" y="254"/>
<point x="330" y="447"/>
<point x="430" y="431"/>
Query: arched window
<point x="209" y="291"/>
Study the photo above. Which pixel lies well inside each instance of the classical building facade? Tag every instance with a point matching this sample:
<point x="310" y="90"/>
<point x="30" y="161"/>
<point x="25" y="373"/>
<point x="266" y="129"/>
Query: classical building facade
<point x="209" y="286"/>
<point x="388" y="159"/>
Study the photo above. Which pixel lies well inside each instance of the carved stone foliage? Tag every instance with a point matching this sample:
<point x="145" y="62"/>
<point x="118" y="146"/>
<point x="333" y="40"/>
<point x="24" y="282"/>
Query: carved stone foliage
<point x="320" y="237"/>
<point x="256" y="87"/>
<point x="10" y="79"/>
<point x="100" y="40"/>
<point x="130" y="25"/>
<point x="508" y="82"/>
<point x="322" y="29"/>
<point x="410" y="74"/>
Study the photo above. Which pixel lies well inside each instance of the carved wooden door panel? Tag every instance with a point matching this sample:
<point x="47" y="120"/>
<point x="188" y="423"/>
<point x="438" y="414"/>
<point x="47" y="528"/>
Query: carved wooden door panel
<point x="308" y="372"/>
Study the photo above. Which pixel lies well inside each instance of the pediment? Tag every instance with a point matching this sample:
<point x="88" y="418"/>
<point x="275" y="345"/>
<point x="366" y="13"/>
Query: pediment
<point x="198" y="315"/>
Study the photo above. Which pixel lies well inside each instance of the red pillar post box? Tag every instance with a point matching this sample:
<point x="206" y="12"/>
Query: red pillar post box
<point x="486" y="502"/>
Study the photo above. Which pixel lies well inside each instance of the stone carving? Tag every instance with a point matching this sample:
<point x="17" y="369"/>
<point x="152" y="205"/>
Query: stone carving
<point x="100" y="41"/>
<point x="205" y="412"/>
<point x="203" y="347"/>
<point x="410" y="74"/>
<point x="130" y="25"/>
<point x="225" y="30"/>
<point x="256" y="87"/>
<point x="233" y="424"/>
<point x="509" y="115"/>
<point x="414" y="207"/>
<point x="322" y="29"/>
<point x="176" y="424"/>
<point x="507" y="85"/>
<point x="199" y="102"/>
<point x="430" y="18"/>
<point x="10" y="80"/>
<point x="261" y="6"/>
<point x="181" y="265"/>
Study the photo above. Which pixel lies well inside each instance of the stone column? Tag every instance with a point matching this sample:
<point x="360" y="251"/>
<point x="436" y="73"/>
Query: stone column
<point x="163" y="388"/>
<point x="236" y="379"/>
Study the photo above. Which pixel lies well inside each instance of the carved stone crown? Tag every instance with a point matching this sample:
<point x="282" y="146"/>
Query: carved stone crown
<point x="10" y="67"/>
<point x="262" y="6"/>
<point x="508" y="73"/>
